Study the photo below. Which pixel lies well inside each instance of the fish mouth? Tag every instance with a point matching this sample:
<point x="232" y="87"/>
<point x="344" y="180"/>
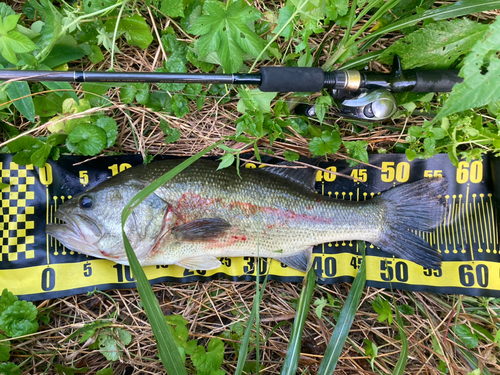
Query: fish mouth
<point x="78" y="232"/>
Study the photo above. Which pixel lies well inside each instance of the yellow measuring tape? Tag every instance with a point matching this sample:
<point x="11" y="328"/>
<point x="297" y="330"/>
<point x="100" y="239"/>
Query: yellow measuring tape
<point x="36" y="266"/>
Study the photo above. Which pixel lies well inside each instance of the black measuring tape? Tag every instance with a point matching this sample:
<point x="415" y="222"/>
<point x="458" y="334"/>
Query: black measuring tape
<point x="35" y="266"/>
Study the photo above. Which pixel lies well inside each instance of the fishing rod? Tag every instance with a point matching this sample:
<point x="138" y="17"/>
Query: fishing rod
<point x="359" y="94"/>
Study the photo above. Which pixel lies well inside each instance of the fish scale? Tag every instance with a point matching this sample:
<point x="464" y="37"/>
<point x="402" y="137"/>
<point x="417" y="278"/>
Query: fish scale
<point x="203" y="213"/>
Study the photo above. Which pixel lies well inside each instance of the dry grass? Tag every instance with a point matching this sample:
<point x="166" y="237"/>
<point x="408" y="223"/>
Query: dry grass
<point x="213" y="306"/>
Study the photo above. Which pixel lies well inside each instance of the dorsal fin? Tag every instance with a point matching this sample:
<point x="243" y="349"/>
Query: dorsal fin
<point x="302" y="176"/>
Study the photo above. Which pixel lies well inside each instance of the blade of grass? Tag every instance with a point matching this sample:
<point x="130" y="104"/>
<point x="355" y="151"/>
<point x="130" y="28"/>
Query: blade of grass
<point x="399" y="369"/>
<point x="458" y="9"/>
<point x="254" y="314"/>
<point x="346" y="318"/>
<point x="293" y="353"/>
<point x="169" y="354"/>
<point x="363" y="59"/>
<point x="349" y="39"/>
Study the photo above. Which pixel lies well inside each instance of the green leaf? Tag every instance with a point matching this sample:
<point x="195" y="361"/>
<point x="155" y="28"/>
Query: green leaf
<point x="7" y="53"/>
<point x="108" y="346"/>
<point x="172" y="134"/>
<point x="17" y="42"/>
<point x="5" y="10"/>
<point x="61" y="54"/>
<point x="136" y="31"/>
<point x="226" y="32"/>
<point x="299" y="125"/>
<point x="9" y="368"/>
<point x="173" y="8"/>
<point x="159" y="101"/>
<point x="110" y="128"/>
<point x="192" y="57"/>
<point x="91" y="6"/>
<point x="320" y="305"/>
<point x="191" y="14"/>
<point x="63" y="370"/>
<point x="480" y="71"/>
<point x="328" y="143"/>
<point x="47" y="105"/>
<point x="93" y="52"/>
<point x="357" y="150"/>
<point x="466" y="335"/>
<point x="321" y="106"/>
<point x="383" y="309"/>
<point x="497" y="337"/>
<point x="16" y="91"/>
<point x="291" y="155"/>
<point x="86" y="139"/>
<point x="143" y="93"/>
<point x="127" y="93"/>
<point x="255" y="100"/>
<point x="9" y="23"/>
<point x="406" y="309"/>
<point x="24" y="146"/>
<point x="179" y="105"/>
<point x="209" y="362"/>
<point x="285" y="14"/>
<point x="95" y="90"/>
<point x="19" y="319"/>
<point x="4" y="348"/>
<point x="336" y="8"/>
<point x="7" y="299"/>
<point x="192" y="90"/>
<point x="106" y="371"/>
<point x="371" y="350"/>
<point x="39" y="157"/>
<point x="226" y="161"/>
<point x="436" y="45"/>
<point x="125" y="336"/>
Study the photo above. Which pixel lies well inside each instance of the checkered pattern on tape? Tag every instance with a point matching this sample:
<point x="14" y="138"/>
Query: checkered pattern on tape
<point x="17" y="213"/>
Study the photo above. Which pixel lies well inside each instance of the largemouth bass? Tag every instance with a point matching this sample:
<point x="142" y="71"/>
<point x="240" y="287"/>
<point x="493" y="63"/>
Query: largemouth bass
<point x="202" y="214"/>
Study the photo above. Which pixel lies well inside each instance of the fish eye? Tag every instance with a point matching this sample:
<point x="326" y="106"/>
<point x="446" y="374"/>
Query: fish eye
<point x="85" y="202"/>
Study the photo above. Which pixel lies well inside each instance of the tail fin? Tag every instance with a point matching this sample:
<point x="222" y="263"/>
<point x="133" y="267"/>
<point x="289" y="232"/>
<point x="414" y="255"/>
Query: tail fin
<point x="415" y="206"/>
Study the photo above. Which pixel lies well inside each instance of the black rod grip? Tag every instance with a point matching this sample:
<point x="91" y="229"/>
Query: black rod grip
<point x="436" y="80"/>
<point x="290" y="79"/>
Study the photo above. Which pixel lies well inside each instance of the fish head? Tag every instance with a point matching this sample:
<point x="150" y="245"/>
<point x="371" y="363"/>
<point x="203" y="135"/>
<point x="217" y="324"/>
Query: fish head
<point x="92" y="222"/>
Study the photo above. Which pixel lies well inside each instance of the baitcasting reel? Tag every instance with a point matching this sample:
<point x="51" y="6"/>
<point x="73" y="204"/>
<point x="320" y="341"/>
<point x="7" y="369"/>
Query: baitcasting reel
<point x="374" y="105"/>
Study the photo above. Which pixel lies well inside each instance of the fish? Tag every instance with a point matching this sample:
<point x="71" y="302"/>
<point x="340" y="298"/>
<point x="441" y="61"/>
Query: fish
<point x="203" y="214"/>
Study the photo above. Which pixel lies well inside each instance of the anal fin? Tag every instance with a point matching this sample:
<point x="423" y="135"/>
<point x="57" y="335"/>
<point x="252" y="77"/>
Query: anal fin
<point x="203" y="262"/>
<point x="301" y="261"/>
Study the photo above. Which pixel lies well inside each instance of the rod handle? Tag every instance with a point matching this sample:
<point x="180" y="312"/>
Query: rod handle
<point x="291" y="79"/>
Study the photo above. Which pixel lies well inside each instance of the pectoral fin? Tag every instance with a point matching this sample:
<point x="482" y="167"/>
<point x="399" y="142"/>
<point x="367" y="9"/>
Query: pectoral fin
<point x="203" y="262"/>
<point x="301" y="261"/>
<point x="201" y="230"/>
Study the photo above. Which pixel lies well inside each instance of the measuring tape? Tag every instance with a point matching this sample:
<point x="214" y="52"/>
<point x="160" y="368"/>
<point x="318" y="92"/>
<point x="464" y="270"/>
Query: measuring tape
<point x="36" y="266"/>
